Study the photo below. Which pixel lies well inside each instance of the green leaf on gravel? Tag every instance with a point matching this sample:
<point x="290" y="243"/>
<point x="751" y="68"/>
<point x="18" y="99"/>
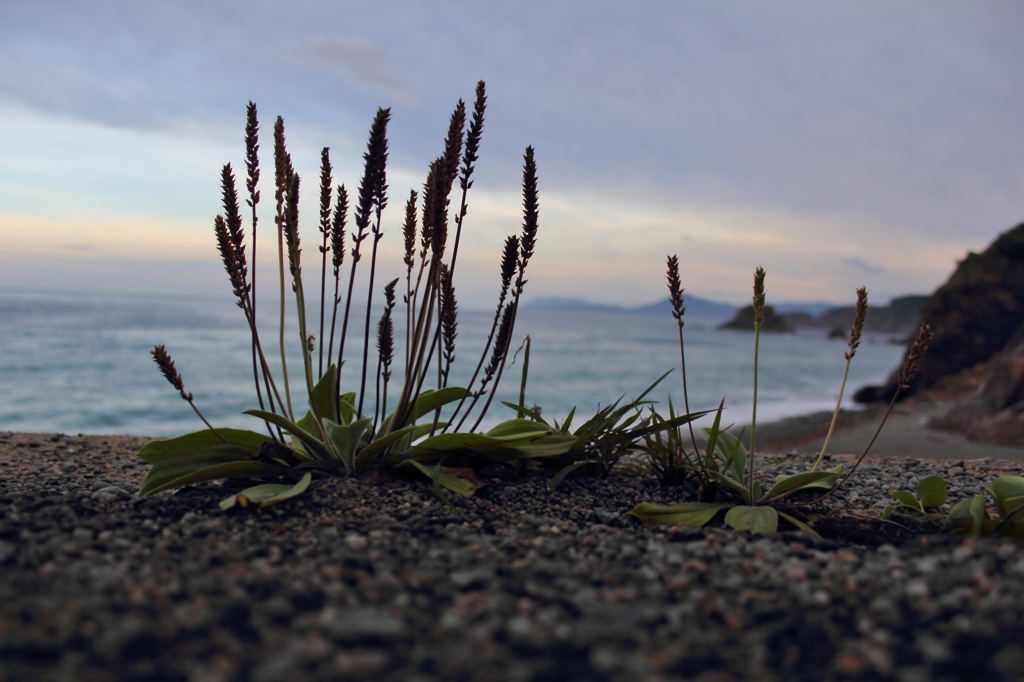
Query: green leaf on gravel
<point x="267" y="494"/>
<point x="907" y="499"/>
<point x="451" y="479"/>
<point x="810" y="479"/>
<point x="753" y="519"/>
<point x="159" y="450"/>
<point x="931" y="491"/>
<point x="693" y="514"/>
<point x="1005" y="488"/>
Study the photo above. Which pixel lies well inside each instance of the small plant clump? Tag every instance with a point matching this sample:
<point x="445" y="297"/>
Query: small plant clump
<point x="968" y="516"/>
<point x="725" y="471"/>
<point x="348" y="433"/>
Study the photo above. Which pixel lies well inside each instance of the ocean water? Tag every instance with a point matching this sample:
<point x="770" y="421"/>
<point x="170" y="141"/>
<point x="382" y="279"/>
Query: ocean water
<point x="80" y="363"/>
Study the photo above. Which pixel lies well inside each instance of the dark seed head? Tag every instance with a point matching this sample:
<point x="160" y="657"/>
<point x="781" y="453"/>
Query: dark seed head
<point x="675" y="289"/>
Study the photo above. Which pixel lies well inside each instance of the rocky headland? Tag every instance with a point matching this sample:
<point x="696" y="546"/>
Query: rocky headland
<point x="974" y="367"/>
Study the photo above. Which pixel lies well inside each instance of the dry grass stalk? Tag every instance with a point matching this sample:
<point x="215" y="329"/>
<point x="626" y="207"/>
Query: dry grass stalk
<point x="337" y="257"/>
<point x="373" y="189"/>
<point x="675" y="294"/>
<point x="325" y="230"/>
<point x="855" y="333"/>
<point x="385" y="350"/>
<point x="910" y="366"/>
<point x="758" y="319"/>
<point x="282" y="179"/>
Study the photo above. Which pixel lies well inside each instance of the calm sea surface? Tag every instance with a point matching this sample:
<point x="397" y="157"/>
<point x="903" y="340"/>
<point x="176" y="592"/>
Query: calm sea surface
<point x="78" y="363"/>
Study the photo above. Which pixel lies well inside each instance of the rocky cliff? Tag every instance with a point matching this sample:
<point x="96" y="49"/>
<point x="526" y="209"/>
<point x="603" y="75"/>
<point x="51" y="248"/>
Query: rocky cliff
<point x="973" y="316"/>
<point x="901" y="317"/>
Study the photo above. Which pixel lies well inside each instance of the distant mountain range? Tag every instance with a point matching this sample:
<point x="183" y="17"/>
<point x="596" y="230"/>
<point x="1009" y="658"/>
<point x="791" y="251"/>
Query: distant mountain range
<point x="901" y="315"/>
<point x="696" y="308"/>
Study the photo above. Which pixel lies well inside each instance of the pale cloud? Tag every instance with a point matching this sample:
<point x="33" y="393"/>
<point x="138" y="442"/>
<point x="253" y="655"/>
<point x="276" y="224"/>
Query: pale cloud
<point x="358" y="62"/>
<point x="837" y="144"/>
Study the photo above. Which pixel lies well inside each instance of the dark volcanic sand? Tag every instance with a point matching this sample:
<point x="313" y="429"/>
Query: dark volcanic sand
<point x="385" y="582"/>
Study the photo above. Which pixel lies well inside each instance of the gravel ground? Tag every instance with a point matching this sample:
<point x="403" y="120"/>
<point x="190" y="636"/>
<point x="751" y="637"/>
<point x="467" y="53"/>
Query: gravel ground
<point x="386" y="582"/>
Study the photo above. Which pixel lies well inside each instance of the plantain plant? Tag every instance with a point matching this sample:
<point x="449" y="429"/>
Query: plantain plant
<point x="347" y="433"/>
<point x="725" y="469"/>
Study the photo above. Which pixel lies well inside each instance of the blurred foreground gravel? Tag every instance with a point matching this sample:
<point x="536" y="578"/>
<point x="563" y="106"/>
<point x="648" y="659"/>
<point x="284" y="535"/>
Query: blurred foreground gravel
<point x="386" y="582"/>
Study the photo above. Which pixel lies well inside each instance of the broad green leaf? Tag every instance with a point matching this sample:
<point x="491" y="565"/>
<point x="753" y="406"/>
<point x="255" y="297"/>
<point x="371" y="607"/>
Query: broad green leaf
<point x="206" y="465"/>
<point x="1014" y="506"/>
<point x="323" y="401"/>
<point x="346" y="437"/>
<point x="428" y="401"/>
<point x="826" y="483"/>
<point x="158" y="450"/>
<point x="808" y="479"/>
<point x="446" y="478"/>
<point x="267" y="494"/>
<point x="431" y="400"/>
<point x="693" y="514"/>
<point x="1004" y="488"/>
<point x="931" y="491"/>
<point x="523" y="428"/>
<point x="548" y="446"/>
<point x="347" y="407"/>
<point x="379" y="444"/>
<point x="753" y="519"/>
<point x="799" y="524"/>
<point x="480" y="442"/>
<point x="313" y="445"/>
<point x="887" y="512"/>
<point x="970" y="516"/>
<point x="906" y="498"/>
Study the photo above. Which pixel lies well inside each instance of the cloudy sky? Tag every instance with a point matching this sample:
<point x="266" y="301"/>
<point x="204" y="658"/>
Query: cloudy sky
<point x="836" y="144"/>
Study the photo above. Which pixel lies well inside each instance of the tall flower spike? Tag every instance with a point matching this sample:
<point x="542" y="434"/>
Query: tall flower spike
<point x="373" y="186"/>
<point x="325" y="195"/>
<point x="409" y="229"/>
<point x="232" y="217"/>
<point x="476" y="128"/>
<point x="914" y="357"/>
<point x="338" y="229"/>
<point x="449" y="314"/>
<point x="252" y="148"/>
<point x="229" y="255"/>
<point x="530" y="210"/>
<point x="675" y="289"/>
<point x="500" y="343"/>
<point x="858" y="322"/>
<point x="291" y="223"/>
<point x="759" y="296"/>
<point x="509" y="258"/>
<point x="385" y="328"/>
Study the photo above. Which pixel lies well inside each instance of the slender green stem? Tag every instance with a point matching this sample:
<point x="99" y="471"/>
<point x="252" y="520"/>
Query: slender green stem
<point x="835" y="415"/>
<point x="686" y="397"/>
<point x="753" y="416"/>
<point x="284" y="359"/>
